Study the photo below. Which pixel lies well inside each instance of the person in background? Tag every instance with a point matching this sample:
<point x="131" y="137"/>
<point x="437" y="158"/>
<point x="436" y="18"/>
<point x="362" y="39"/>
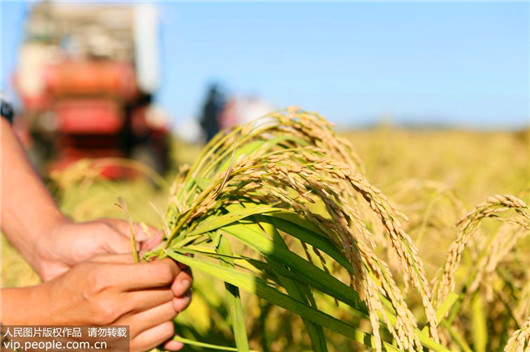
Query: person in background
<point x="243" y="110"/>
<point x="86" y="268"/>
<point x="229" y="117"/>
<point x="211" y="111"/>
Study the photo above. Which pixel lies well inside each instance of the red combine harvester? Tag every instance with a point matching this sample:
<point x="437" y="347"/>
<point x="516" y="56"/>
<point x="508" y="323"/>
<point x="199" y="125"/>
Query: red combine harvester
<point x="86" y="77"/>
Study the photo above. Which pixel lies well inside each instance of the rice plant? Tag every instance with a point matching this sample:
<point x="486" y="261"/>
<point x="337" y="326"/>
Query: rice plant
<point x="288" y="182"/>
<point x="493" y="297"/>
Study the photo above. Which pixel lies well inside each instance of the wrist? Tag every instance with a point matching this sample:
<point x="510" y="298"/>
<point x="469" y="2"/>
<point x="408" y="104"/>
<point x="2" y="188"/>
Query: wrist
<point x="45" y="246"/>
<point x="31" y="231"/>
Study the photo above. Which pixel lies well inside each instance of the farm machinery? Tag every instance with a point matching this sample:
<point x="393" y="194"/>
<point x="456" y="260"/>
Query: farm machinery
<point x="86" y="77"/>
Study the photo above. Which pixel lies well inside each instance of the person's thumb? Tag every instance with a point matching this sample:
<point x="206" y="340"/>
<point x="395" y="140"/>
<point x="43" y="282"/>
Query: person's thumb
<point x="147" y="237"/>
<point x="114" y="242"/>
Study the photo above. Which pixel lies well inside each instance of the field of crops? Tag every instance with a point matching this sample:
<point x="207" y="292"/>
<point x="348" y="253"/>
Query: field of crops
<point x="445" y="183"/>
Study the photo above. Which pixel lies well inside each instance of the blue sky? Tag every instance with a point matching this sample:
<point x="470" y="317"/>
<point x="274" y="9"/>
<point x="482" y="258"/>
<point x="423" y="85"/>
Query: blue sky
<point x="463" y="64"/>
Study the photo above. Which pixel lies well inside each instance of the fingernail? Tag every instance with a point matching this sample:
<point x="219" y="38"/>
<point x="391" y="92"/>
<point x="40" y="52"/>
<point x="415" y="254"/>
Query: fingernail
<point x="186" y="300"/>
<point x="181" y="303"/>
<point x="185" y="285"/>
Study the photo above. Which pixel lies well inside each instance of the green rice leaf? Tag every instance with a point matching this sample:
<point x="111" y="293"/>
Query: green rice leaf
<point x="202" y="183"/>
<point x="317" y="277"/>
<point x="478" y="322"/>
<point x="215" y="222"/>
<point x="260" y="288"/>
<point x="296" y="227"/>
<point x="234" y="300"/>
<point x="299" y="292"/>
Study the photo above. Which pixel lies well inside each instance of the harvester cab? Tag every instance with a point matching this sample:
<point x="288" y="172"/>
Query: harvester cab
<point x="86" y="76"/>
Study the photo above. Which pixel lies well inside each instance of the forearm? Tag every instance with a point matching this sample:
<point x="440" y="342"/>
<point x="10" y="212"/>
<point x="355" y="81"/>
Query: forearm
<point x="28" y="211"/>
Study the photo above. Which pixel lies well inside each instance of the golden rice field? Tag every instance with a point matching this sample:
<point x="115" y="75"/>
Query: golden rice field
<point x="467" y="288"/>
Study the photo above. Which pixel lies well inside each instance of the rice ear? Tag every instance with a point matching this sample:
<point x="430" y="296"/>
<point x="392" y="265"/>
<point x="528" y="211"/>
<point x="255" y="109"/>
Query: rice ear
<point x="292" y="162"/>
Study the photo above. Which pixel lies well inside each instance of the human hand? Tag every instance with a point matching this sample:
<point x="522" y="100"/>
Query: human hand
<point x="110" y="290"/>
<point x="68" y="243"/>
